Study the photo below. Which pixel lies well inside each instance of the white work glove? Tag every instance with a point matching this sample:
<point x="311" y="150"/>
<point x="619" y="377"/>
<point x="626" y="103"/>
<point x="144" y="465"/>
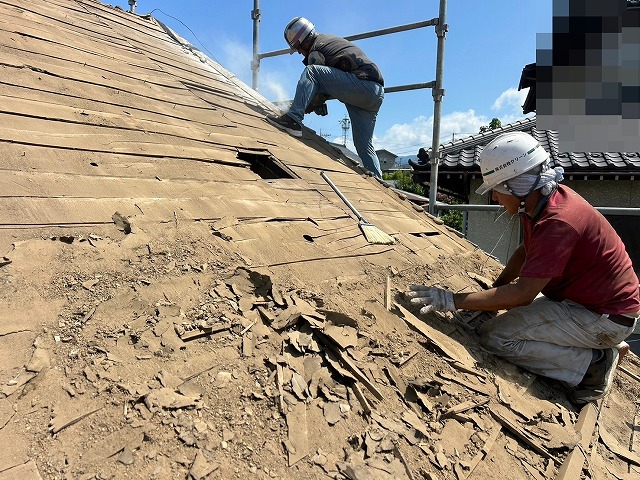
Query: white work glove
<point x="432" y="299"/>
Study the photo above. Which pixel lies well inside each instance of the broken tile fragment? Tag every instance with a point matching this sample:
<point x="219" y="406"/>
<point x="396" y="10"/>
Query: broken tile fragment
<point x="297" y="433"/>
<point x="126" y="456"/>
<point x="167" y="398"/>
<point x="332" y="412"/>
<point x="40" y="360"/>
<point x="201" y="468"/>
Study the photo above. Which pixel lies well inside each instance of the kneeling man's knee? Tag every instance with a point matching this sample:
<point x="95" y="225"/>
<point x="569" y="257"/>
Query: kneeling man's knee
<point x="493" y="341"/>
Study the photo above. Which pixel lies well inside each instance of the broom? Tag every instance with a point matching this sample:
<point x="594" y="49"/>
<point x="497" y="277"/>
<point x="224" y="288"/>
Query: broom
<point x="370" y="232"/>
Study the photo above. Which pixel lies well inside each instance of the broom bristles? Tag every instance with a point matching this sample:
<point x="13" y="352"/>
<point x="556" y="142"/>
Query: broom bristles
<point x="374" y="235"/>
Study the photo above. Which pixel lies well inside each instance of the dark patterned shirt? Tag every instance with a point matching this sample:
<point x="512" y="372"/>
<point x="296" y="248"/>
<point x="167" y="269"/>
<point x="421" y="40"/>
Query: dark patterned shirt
<point x="346" y="56"/>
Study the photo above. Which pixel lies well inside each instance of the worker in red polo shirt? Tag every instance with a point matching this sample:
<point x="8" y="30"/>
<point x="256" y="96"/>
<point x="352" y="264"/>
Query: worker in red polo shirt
<point x="569" y="289"/>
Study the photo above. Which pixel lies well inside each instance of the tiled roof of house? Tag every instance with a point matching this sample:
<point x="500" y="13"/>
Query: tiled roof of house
<point x="463" y="154"/>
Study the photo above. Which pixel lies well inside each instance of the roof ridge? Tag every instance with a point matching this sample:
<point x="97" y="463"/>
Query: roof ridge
<point x="481" y="138"/>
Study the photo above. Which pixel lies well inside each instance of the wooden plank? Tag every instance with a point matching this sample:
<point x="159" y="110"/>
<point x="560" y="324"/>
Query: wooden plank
<point x="364" y="403"/>
<point x="22" y="82"/>
<point x="629" y="373"/>
<point x="349" y="365"/>
<point x="572" y="465"/>
<point x="500" y="414"/>
<point x="484" y="451"/>
<point x="450" y="347"/>
<point x="33" y="211"/>
<point x="387" y="293"/>
<point x="59" y="160"/>
<point x="60" y="185"/>
<point x="89" y="138"/>
<point x="481" y="389"/>
<point x="98" y="117"/>
<point x="23" y="86"/>
<point x="463" y="407"/>
<point x="298" y="445"/>
<point x="614" y="446"/>
<point x="25" y="471"/>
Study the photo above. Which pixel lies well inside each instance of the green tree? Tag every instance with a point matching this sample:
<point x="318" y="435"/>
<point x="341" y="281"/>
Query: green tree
<point x="404" y="181"/>
<point x="493" y="124"/>
<point x="451" y="218"/>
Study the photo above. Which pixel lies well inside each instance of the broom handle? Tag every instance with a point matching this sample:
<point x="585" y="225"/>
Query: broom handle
<point x="342" y="197"/>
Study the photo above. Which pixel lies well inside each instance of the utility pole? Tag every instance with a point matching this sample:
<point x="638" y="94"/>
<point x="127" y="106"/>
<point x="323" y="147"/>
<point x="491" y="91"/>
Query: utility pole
<point x="346" y="123"/>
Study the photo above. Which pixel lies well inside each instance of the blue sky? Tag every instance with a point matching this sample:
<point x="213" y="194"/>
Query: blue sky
<point x="487" y="45"/>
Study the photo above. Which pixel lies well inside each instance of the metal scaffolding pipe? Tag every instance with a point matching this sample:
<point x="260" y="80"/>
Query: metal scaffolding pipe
<point x="255" y="63"/>
<point x="360" y="36"/>
<point x="632" y="212"/>
<point x="413" y="86"/>
<point x="438" y="93"/>
<point x="400" y="28"/>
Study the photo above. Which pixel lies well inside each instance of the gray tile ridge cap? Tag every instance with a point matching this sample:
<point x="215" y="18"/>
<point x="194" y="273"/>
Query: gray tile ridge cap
<point x="486" y="137"/>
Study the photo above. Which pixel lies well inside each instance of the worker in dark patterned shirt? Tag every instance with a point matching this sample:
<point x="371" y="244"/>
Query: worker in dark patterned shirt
<point x="334" y="68"/>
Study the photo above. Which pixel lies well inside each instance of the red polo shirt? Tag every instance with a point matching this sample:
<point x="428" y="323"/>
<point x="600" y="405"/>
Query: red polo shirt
<point x="575" y="246"/>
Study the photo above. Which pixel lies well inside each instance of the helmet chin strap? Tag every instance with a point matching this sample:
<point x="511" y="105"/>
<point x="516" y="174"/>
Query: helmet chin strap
<point x="523" y="199"/>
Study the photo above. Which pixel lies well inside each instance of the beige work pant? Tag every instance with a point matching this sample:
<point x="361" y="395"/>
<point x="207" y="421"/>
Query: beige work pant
<point x="553" y="339"/>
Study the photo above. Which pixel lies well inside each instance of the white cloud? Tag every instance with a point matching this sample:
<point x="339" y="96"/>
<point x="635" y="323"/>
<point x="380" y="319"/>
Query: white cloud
<point x="272" y="87"/>
<point x="407" y="138"/>
<point x="237" y="59"/>
<point x="511" y="99"/>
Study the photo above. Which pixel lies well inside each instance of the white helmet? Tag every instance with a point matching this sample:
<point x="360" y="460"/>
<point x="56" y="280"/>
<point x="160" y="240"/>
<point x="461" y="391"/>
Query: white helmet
<point x="297" y="32"/>
<point x="507" y="156"/>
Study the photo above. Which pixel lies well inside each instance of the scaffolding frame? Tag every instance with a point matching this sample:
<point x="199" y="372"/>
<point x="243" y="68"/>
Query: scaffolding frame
<point x="437" y="91"/>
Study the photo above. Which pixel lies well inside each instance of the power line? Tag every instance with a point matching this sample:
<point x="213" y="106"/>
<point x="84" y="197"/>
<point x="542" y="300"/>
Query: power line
<point x="185" y="26"/>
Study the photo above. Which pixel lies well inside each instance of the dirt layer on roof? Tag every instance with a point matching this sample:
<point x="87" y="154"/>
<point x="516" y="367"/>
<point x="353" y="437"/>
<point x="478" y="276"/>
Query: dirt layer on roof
<point x="167" y="356"/>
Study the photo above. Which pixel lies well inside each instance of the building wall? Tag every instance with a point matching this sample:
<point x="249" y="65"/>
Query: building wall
<point x="387" y="160"/>
<point x="501" y="236"/>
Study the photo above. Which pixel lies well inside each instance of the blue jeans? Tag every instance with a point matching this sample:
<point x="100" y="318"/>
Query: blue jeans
<point x="362" y="98"/>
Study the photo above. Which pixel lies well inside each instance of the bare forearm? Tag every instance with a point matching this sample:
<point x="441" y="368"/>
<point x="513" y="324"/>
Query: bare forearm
<point x="503" y="297"/>
<point x="500" y="298"/>
<point x="512" y="269"/>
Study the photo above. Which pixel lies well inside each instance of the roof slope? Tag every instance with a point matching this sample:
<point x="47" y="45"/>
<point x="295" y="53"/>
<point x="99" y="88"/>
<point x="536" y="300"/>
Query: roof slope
<point x="184" y="296"/>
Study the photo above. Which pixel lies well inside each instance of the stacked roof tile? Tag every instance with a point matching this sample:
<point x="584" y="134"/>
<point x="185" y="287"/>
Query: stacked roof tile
<point x="463" y="154"/>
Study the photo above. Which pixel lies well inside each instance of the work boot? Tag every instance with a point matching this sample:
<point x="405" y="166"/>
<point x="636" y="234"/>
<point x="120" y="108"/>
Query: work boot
<point x="598" y="380"/>
<point x="286" y="123"/>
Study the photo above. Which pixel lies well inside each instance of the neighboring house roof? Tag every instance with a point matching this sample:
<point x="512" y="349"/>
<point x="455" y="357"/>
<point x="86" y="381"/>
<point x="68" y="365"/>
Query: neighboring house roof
<point x="463" y="154"/>
<point x="391" y="154"/>
<point x="351" y="155"/>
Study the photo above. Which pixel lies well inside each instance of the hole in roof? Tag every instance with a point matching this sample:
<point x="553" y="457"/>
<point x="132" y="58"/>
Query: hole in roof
<point x="308" y="238"/>
<point x="93" y="164"/>
<point x="424" y="234"/>
<point x="265" y="165"/>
